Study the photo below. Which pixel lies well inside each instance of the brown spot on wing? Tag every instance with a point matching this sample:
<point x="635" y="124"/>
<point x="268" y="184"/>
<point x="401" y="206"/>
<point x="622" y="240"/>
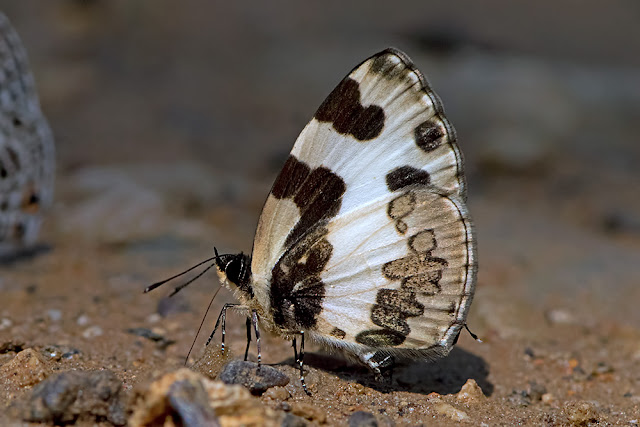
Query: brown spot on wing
<point x="426" y="283"/>
<point x="380" y="338"/>
<point x="400" y="299"/>
<point x="319" y="197"/>
<point x="418" y="273"/>
<point x="412" y="265"/>
<point x="297" y="291"/>
<point x="317" y="193"/>
<point x="338" y="333"/>
<point x="424" y="241"/>
<point x="290" y="178"/>
<point x="343" y="108"/>
<point x="405" y="176"/>
<point x="430" y="135"/>
<point x="400" y="207"/>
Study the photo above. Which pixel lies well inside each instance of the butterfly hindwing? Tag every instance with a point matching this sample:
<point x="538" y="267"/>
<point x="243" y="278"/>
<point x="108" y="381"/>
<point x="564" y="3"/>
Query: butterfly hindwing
<point x="405" y="279"/>
<point x="364" y="240"/>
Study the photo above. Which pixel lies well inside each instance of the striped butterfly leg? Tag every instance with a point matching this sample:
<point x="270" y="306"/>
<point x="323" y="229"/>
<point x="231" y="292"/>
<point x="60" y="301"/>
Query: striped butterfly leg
<point x="222" y="317"/>
<point x="253" y="320"/>
<point x="246" y="350"/>
<point x="300" y="360"/>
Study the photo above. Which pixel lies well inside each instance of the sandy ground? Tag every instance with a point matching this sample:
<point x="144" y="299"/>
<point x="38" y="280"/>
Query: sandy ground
<point x="172" y="121"/>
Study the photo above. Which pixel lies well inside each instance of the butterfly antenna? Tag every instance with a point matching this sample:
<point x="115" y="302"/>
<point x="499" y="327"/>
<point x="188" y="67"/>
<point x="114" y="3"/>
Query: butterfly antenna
<point x="200" y="327"/>
<point x="162" y="282"/>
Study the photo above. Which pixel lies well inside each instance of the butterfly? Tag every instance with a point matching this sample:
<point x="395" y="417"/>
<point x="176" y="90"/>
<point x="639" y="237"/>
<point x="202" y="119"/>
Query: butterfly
<point x="27" y="157"/>
<point x="365" y="244"/>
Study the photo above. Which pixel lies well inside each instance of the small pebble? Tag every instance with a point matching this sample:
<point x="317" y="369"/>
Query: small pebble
<point x="153" y="318"/>
<point x="5" y="323"/>
<point x="156" y="336"/>
<point x="92" y="332"/>
<point x="277" y="393"/>
<point x="284" y="406"/>
<point x="83" y="320"/>
<point x="57" y="352"/>
<point x="602" y="368"/>
<point x="54" y="315"/>
<point x="233" y="405"/>
<point x="71" y="353"/>
<point x="25" y="369"/>
<point x="560" y="317"/>
<point x="363" y="419"/>
<point x="470" y="392"/>
<point x="536" y="391"/>
<point x="190" y="403"/>
<point x="66" y="396"/>
<point x="256" y="378"/>
<point x="580" y="413"/>
<point x="548" y="399"/>
<point x="290" y="420"/>
<point x="308" y="411"/>
<point x="519" y="398"/>
<point x="450" y="411"/>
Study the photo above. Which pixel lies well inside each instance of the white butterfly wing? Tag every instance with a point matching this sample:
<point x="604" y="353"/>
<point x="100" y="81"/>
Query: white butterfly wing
<point x="333" y="223"/>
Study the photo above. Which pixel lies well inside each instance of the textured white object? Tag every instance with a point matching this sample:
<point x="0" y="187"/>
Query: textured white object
<point x="27" y="156"/>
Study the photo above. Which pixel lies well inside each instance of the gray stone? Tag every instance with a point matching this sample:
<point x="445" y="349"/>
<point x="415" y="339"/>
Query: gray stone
<point x="191" y="403"/>
<point x="256" y="378"/>
<point x="291" y="420"/>
<point x="362" y="419"/>
<point x="69" y="396"/>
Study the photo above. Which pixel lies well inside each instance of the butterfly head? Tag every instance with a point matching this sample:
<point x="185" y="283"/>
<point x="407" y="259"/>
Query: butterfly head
<point x="235" y="269"/>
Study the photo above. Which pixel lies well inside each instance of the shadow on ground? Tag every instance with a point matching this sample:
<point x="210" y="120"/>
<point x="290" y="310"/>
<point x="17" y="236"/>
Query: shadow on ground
<point x="24" y="254"/>
<point x="444" y="376"/>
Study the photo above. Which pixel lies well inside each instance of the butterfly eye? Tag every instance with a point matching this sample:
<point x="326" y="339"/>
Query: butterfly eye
<point x="232" y="270"/>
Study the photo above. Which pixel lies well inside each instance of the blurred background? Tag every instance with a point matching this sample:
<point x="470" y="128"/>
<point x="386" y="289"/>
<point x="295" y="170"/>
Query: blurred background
<point x="172" y="119"/>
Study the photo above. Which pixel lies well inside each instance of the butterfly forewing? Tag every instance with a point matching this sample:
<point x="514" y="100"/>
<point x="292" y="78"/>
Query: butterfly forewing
<point x="365" y="241"/>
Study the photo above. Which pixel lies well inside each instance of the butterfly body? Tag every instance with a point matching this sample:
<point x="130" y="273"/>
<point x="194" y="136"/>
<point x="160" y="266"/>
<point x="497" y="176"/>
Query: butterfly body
<point x="365" y="243"/>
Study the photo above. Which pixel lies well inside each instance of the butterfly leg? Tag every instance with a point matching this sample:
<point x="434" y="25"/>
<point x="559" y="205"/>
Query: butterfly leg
<point x="295" y="349"/>
<point x="300" y="360"/>
<point x="246" y="350"/>
<point x="254" y="320"/>
<point x="222" y="316"/>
